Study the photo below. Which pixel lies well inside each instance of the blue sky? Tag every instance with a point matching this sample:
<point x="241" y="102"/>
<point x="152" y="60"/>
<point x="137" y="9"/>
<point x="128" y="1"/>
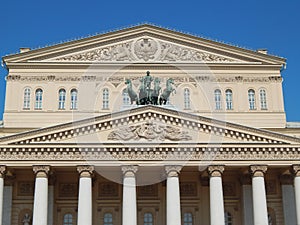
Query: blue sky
<point x="254" y="24"/>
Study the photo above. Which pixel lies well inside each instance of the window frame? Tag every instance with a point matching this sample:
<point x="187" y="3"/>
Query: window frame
<point x="111" y="218"/>
<point x="38" y="103"/>
<point x="105" y="98"/>
<point x="218" y="99"/>
<point x="187" y="98"/>
<point x="263" y="100"/>
<point x="190" y="219"/>
<point x="251" y="99"/>
<point x="74" y="100"/>
<point x="229" y="99"/>
<point x="62" y="99"/>
<point x="151" y="218"/>
<point x="26" y="98"/>
<point x="68" y="222"/>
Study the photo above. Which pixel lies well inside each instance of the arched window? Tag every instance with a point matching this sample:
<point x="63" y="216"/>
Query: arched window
<point x="108" y="219"/>
<point x="186" y="98"/>
<point x="74" y="97"/>
<point x="68" y="219"/>
<point x="218" y="99"/>
<point x="263" y="99"/>
<point x="26" y="103"/>
<point x="148" y="219"/>
<point x="187" y="219"/>
<point x="38" y="98"/>
<point x="126" y="98"/>
<point x="61" y="98"/>
<point x="228" y="218"/>
<point x="228" y="93"/>
<point x="105" y="98"/>
<point x="251" y="99"/>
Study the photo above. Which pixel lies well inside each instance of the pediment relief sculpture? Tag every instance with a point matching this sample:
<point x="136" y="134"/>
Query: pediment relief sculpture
<point x="145" y="50"/>
<point x="149" y="131"/>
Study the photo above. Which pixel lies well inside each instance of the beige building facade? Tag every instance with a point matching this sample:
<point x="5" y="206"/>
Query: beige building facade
<point x="79" y="143"/>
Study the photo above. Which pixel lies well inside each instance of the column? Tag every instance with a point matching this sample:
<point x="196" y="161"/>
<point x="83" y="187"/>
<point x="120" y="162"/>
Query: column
<point x="216" y="195"/>
<point x="129" y="207"/>
<point x="247" y="199"/>
<point x="40" y="205"/>
<point x="7" y="197"/>
<point x="51" y="199"/>
<point x="288" y="199"/>
<point x="173" y="195"/>
<point x="85" y="195"/>
<point x="260" y="211"/>
<point x="2" y="174"/>
<point x="296" y="170"/>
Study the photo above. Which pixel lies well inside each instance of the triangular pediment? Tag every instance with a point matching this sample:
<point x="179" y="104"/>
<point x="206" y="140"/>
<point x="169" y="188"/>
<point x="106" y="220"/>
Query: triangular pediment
<point x="148" y="125"/>
<point x="143" y="44"/>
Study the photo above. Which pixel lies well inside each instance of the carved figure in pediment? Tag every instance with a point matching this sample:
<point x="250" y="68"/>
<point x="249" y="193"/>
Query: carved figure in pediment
<point x="166" y="92"/>
<point x="122" y="52"/>
<point x="149" y="131"/>
<point x="145" y="49"/>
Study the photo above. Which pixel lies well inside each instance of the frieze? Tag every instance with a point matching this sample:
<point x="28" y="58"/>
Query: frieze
<point x="116" y="80"/>
<point x="108" y="189"/>
<point x="229" y="188"/>
<point x="160" y="153"/>
<point x="146" y="49"/>
<point x="148" y="191"/>
<point x="188" y="189"/>
<point x="68" y="190"/>
<point x="25" y="188"/>
<point x="271" y="187"/>
<point x="149" y="131"/>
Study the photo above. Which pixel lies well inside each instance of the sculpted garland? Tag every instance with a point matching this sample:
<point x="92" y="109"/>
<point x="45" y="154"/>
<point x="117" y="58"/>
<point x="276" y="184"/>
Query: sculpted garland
<point x="146" y="49"/>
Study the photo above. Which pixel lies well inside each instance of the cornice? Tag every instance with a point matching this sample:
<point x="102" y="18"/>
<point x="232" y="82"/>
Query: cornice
<point x="168" y="153"/>
<point x="145" y="30"/>
<point x="120" y="79"/>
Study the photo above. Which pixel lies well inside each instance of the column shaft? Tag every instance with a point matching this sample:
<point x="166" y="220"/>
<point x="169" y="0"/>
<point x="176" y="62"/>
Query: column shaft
<point x="173" y="195"/>
<point x="129" y="207"/>
<point x="2" y="172"/>
<point x="85" y="195"/>
<point x="260" y="211"/>
<point x="297" y="197"/>
<point x="216" y="195"/>
<point x="40" y="205"/>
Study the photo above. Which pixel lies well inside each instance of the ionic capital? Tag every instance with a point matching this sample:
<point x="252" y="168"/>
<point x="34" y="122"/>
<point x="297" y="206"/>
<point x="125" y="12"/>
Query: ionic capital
<point x="129" y="170"/>
<point x="215" y="170"/>
<point x="258" y="170"/>
<point x="173" y="171"/>
<point x="41" y="171"/>
<point x="85" y="170"/>
<point x="296" y="170"/>
<point x="2" y="171"/>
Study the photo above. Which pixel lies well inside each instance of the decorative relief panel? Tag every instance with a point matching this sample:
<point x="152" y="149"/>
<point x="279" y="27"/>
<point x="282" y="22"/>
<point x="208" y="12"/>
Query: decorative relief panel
<point x="108" y="189"/>
<point x="148" y="191"/>
<point x="25" y="188"/>
<point x="146" y="49"/>
<point x="149" y="131"/>
<point x="67" y="190"/>
<point x="229" y="188"/>
<point x="271" y="187"/>
<point x="188" y="189"/>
